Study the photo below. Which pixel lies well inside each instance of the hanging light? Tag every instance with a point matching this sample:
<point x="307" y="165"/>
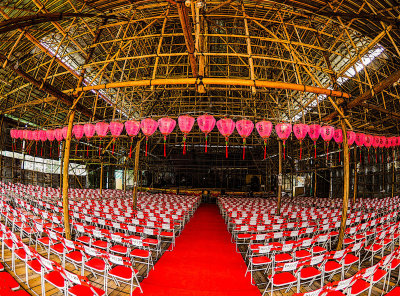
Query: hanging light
<point x="300" y="131"/>
<point x="166" y="125"/>
<point x="206" y="124"/>
<point x="185" y="123"/>
<point x="132" y="128"/>
<point x="283" y="130"/>
<point x="264" y="129"/>
<point x="226" y="127"/>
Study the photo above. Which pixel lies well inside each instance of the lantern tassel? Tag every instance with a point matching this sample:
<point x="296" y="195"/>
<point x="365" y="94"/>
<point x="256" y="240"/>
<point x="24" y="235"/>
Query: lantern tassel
<point x="339" y="154"/>
<point x="226" y="147"/>
<point x="41" y="150"/>
<point x="51" y="147"/>
<point x="284" y="150"/>
<point x="58" y="148"/>
<point x="76" y="148"/>
<point x="165" y="140"/>
<point x="130" y="149"/>
<point x="35" y="148"/>
<point x="360" y="154"/>
<point x="184" y="145"/>
<point x="376" y="156"/>
<point x="113" y="146"/>
<point x="205" y="149"/>
<point x="265" y="149"/>
<point x="244" y="148"/>
<point x="146" y="145"/>
<point x="100" y="149"/>
<point x="368" y="154"/>
<point x="315" y="149"/>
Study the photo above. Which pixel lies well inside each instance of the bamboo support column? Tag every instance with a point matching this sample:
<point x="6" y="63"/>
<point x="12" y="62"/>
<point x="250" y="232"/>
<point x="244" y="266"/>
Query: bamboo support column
<point x="393" y="160"/>
<point x="355" y="186"/>
<point x="67" y="147"/>
<point x="101" y="177"/>
<point x="1" y="148"/>
<point x="280" y="178"/>
<point x="315" y="179"/>
<point x="346" y="179"/>
<point x="61" y="164"/>
<point x="135" y="174"/>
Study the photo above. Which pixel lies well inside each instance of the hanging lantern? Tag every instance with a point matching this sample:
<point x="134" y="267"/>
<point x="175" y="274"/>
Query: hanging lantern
<point x="244" y="128"/>
<point x="102" y="131"/>
<point x="185" y="123"/>
<point x="20" y="135"/>
<point x="78" y="132"/>
<point x="50" y="136"/>
<point x="283" y="130"/>
<point x="89" y="130"/>
<point x="314" y="130"/>
<point x="148" y="127"/>
<point x="29" y="137"/>
<point x="132" y="128"/>
<point x="338" y="137"/>
<point x="226" y="127"/>
<point x="360" y="140"/>
<point x="13" y="134"/>
<point x="35" y="135"/>
<point x="375" y="144"/>
<point x="368" y="143"/>
<point x="264" y="128"/>
<point x="116" y="129"/>
<point x="59" y="137"/>
<point x="166" y="125"/>
<point x="300" y="131"/>
<point x="382" y="142"/>
<point x="42" y="138"/>
<point x="327" y="135"/>
<point x="206" y="124"/>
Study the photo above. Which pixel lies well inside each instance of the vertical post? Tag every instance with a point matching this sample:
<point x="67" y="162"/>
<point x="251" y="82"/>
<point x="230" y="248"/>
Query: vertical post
<point x="393" y="160"/>
<point x="61" y="165"/>
<point x="1" y="148"/>
<point x="346" y="176"/>
<point x="355" y="185"/>
<point x="67" y="147"/>
<point x="101" y="177"/>
<point x="280" y="178"/>
<point x="135" y="174"/>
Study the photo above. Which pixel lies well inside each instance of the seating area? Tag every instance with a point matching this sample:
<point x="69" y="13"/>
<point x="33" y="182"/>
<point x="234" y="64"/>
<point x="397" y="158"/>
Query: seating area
<point x="295" y="252"/>
<point x="109" y="253"/>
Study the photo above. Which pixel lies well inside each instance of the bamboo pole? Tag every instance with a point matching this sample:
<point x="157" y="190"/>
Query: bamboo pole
<point x="1" y="148"/>
<point x="214" y="81"/>
<point x="135" y="174"/>
<point x="66" y="176"/>
<point x="61" y="165"/>
<point x="393" y="160"/>
<point x="355" y="187"/>
<point x="124" y="179"/>
<point x="346" y="176"/>
<point x="101" y="177"/>
<point x="315" y="180"/>
<point x="280" y="178"/>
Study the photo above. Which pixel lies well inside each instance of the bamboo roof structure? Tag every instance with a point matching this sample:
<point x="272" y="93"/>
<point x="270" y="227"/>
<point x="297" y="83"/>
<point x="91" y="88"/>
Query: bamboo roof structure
<point x="296" y="61"/>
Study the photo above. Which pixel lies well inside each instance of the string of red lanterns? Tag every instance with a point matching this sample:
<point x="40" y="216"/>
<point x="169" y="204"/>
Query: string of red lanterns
<point x="206" y="123"/>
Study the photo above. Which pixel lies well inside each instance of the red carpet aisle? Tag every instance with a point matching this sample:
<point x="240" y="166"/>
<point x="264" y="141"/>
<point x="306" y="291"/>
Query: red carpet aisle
<point x="204" y="262"/>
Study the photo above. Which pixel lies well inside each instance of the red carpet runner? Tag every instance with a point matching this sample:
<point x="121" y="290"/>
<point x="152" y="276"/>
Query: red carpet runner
<point x="204" y="262"/>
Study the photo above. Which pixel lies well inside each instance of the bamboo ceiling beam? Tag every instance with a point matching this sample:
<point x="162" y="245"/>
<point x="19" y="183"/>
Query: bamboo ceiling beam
<point x="187" y="32"/>
<point x="31" y="20"/>
<point x="379" y="87"/>
<point x="28" y="104"/>
<point x="216" y="81"/>
<point x="46" y="87"/>
<point x="380" y="109"/>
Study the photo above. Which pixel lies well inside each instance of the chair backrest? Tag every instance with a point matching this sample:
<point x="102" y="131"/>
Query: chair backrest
<point x="136" y="242"/>
<point x="290" y="266"/>
<point x="316" y="259"/>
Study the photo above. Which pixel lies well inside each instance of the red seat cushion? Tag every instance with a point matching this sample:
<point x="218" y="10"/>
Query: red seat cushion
<point x="350" y="259"/>
<point x="20" y="293"/>
<point x="21" y="254"/>
<point x="119" y="249"/>
<point x="151" y="241"/>
<point x="309" y="272"/>
<point x="359" y="286"/>
<point x="96" y="264"/>
<point x="244" y="236"/>
<point x="82" y="290"/>
<point x="122" y="272"/>
<point x="318" y="249"/>
<point x="8" y="243"/>
<point x="303" y="254"/>
<point x="55" y="278"/>
<point x="374" y="247"/>
<point x="395" y="263"/>
<point x="261" y="260"/>
<point x="6" y="280"/>
<point x="44" y="240"/>
<point x="166" y="233"/>
<point x="58" y="248"/>
<point x="283" y="278"/>
<point x="59" y="229"/>
<point x="394" y="292"/>
<point x="84" y="239"/>
<point x="35" y="265"/>
<point x="378" y="275"/>
<point x="75" y="256"/>
<point x="140" y="253"/>
<point x="332" y="266"/>
<point x="100" y="244"/>
<point x="283" y="257"/>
